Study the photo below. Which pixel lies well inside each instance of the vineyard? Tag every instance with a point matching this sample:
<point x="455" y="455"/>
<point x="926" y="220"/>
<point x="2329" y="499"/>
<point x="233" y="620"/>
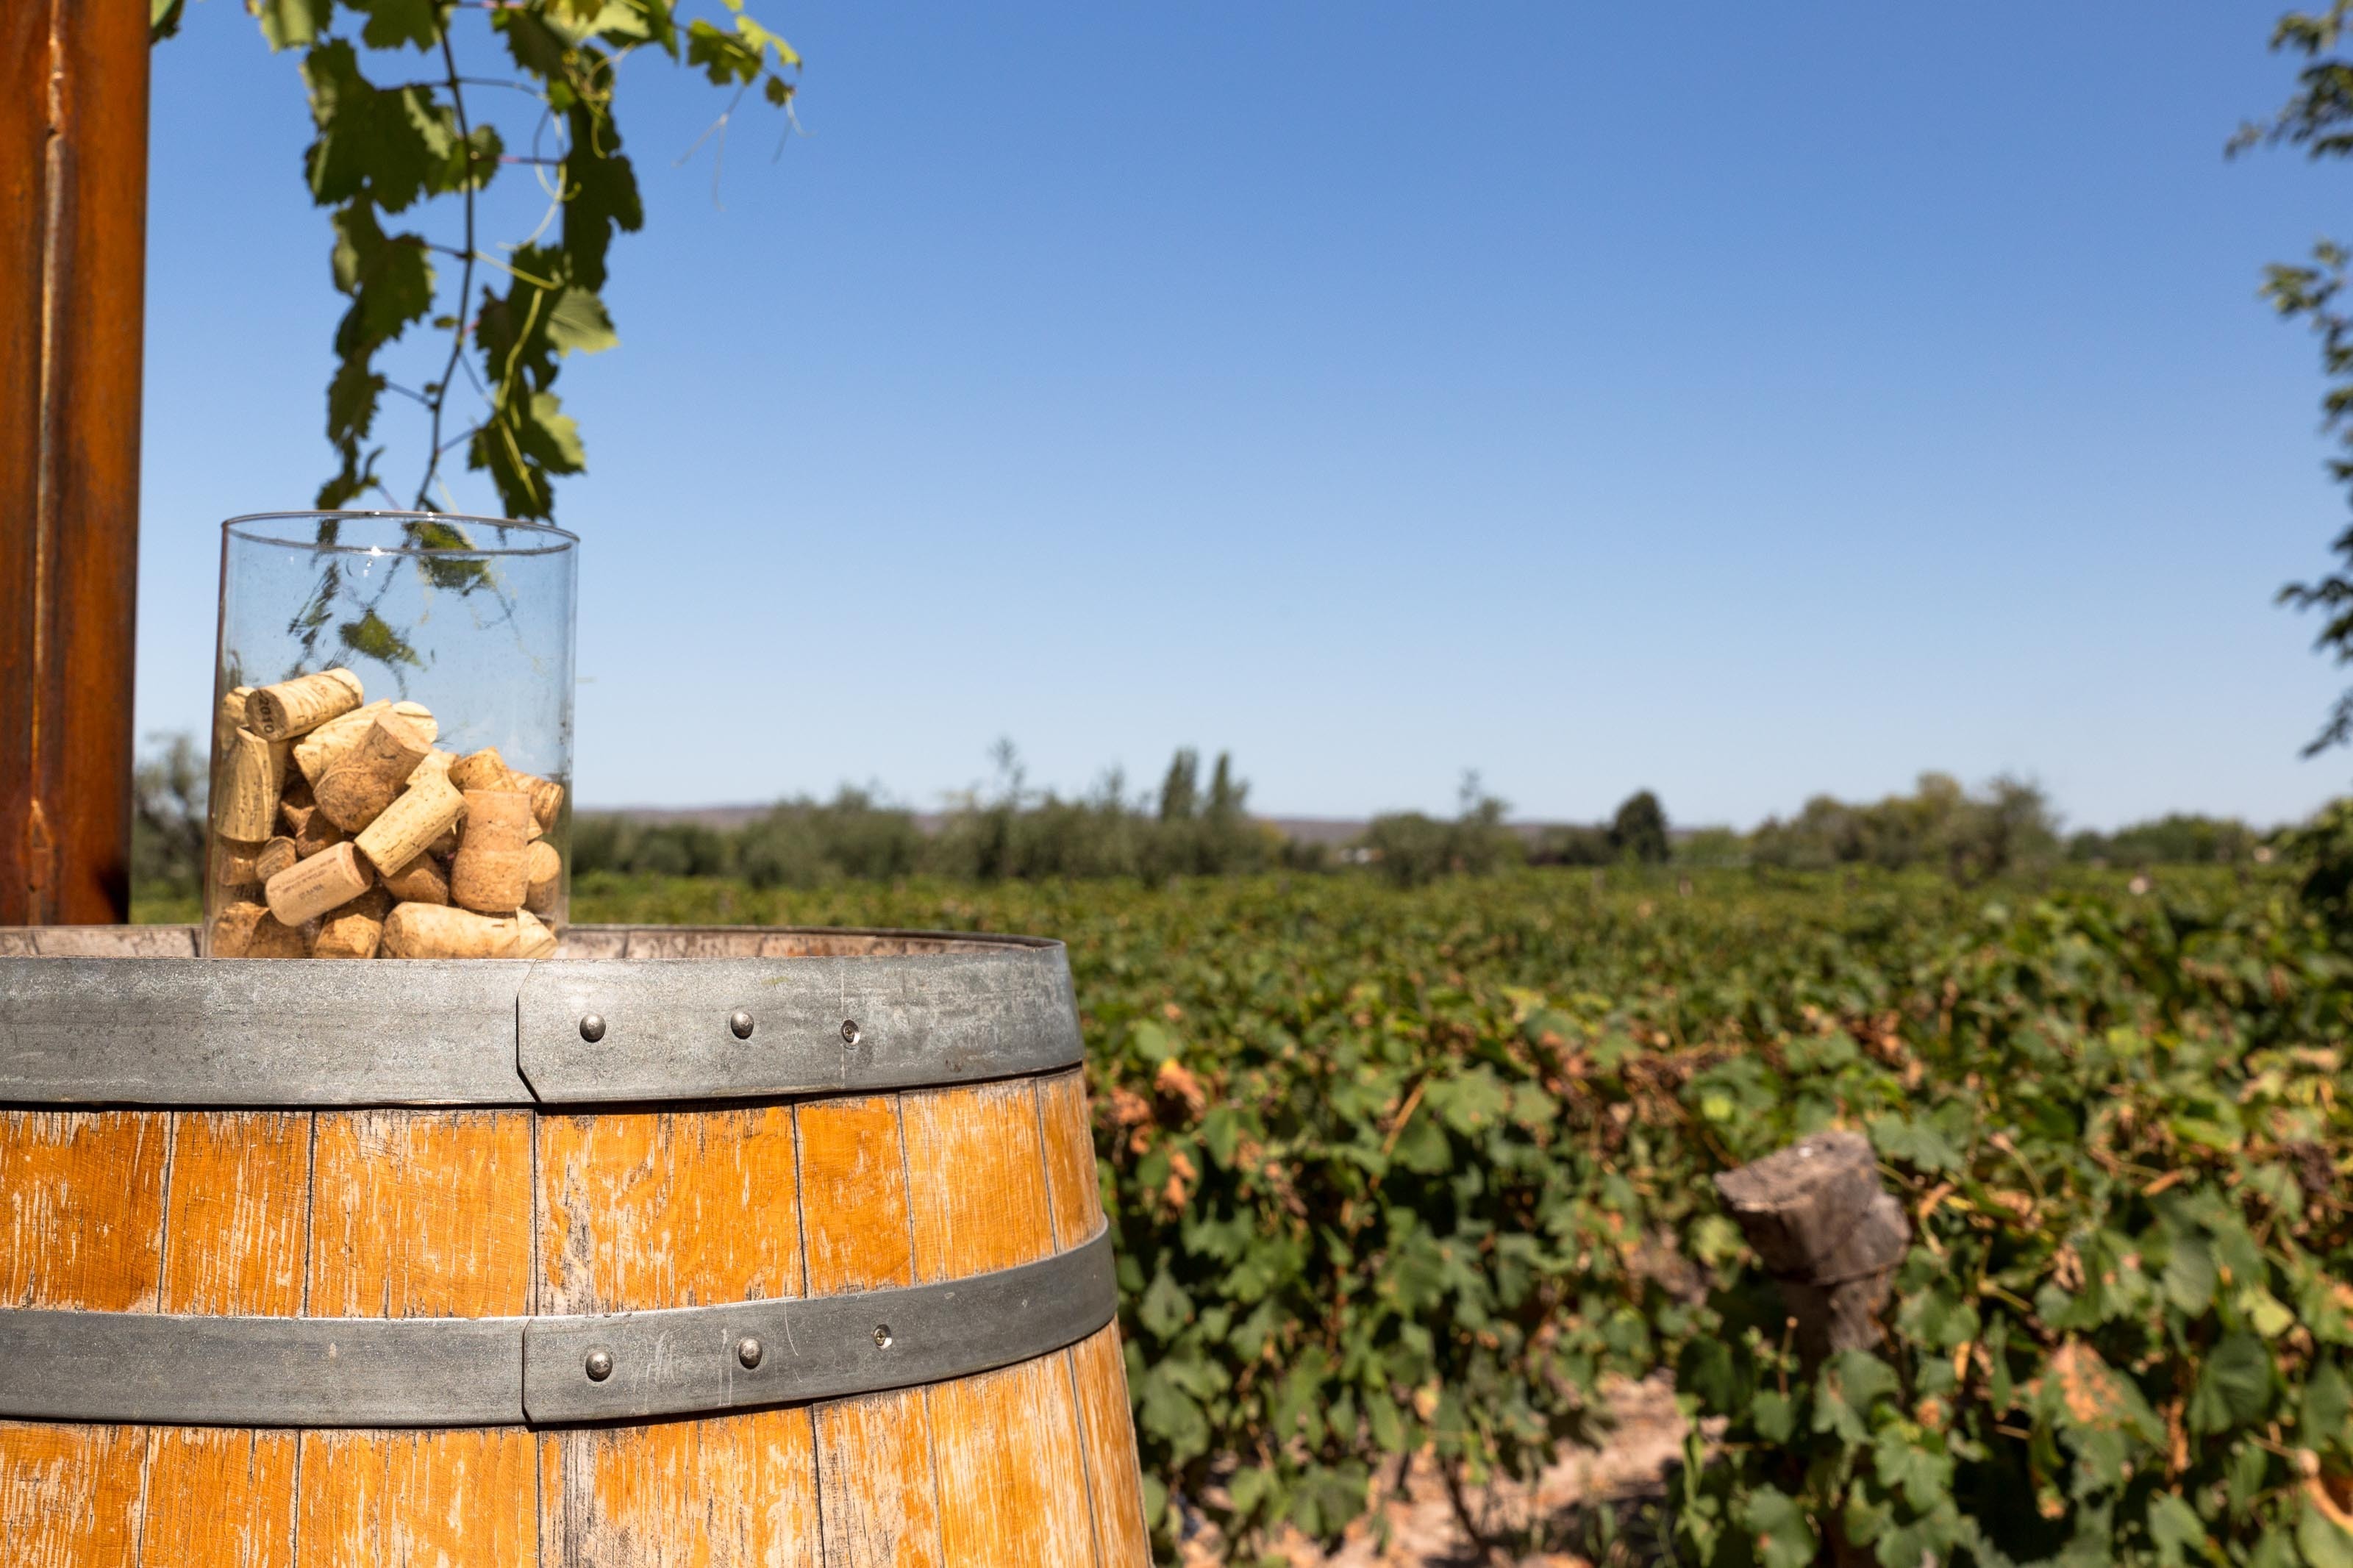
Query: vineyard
<point x="1396" y="1169"/>
<point x="1427" y="1170"/>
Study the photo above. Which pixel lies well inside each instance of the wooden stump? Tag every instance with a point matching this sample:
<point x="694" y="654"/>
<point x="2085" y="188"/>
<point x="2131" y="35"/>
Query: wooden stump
<point x="1828" y="1232"/>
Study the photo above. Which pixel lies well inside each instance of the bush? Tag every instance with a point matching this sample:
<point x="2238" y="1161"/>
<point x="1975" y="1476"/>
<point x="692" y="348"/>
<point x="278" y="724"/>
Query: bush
<point x="1573" y="846"/>
<point x="167" y="820"/>
<point x="2009" y="826"/>
<point x="1639" y="831"/>
<point x="1715" y="847"/>
<point x="800" y="844"/>
<point x="2176" y="840"/>
<point x="1410" y="850"/>
<point x="603" y="842"/>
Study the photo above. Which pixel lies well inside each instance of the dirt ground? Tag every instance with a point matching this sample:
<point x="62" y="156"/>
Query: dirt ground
<point x="1415" y="1526"/>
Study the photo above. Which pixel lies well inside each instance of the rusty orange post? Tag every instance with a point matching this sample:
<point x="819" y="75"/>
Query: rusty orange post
<point x="73" y="241"/>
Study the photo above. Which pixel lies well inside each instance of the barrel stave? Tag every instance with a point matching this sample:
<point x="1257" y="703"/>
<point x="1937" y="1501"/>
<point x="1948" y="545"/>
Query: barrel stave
<point x="420" y="1214"/>
<point x="237" y="1221"/>
<point x="738" y="1488"/>
<point x="1013" y="1486"/>
<point x="854" y="1170"/>
<point x="640" y="1210"/>
<point x="84" y="1197"/>
<point x="219" y="1497"/>
<point x="416" y="1500"/>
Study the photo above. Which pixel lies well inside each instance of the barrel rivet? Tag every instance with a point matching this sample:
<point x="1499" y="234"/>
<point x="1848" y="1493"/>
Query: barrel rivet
<point x="748" y="1350"/>
<point x="741" y="1022"/>
<point x="850" y="1031"/>
<point x="882" y="1336"/>
<point x="600" y="1365"/>
<point x="592" y="1026"/>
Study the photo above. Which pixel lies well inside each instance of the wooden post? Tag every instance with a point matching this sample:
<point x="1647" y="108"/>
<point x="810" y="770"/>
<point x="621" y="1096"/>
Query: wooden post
<point x="73" y="241"/>
<point x="1826" y="1231"/>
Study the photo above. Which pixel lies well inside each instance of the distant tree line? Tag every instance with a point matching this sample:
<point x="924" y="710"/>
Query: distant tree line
<point x="1193" y="826"/>
<point x="1010" y="830"/>
<point x="2009" y="826"/>
<point x="2178" y="839"/>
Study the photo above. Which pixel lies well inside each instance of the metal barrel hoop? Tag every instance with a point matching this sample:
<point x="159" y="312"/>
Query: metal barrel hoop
<point x="310" y="1033"/>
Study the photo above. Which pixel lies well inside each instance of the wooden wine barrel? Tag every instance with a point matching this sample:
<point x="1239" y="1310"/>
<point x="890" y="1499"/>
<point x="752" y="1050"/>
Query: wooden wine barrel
<point x="682" y="1248"/>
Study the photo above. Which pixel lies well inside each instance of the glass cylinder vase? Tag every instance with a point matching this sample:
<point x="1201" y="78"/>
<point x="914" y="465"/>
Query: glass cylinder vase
<point x="392" y="737"/>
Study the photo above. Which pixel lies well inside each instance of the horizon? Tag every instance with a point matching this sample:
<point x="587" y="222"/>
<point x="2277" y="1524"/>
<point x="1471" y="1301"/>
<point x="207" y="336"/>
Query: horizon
<point x="735" y="814"/>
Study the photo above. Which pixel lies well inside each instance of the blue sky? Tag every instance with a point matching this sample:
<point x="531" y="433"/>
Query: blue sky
<point x="1736" y="400"/>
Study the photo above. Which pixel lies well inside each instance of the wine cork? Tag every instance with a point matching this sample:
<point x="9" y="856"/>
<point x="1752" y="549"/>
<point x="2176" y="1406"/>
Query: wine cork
<point x="228" y="719"/>
<point x="440" y="931"/>
<point x="232" y="930"/>
<point x="273" y="857"/>
<point x="316" y="753"/>
<point x="492" y="870"/>
<point x="436" y="760"/>
<point x="546" y="799"/>
<point x="353" y="930"/>
<point x="295" y="707"/>
<point x="355" y="791"/>
<point x="420" y="720"/>
<point x="421" y="882"/>
<point x="544" y="876"/>
<point x="251" y="777"/>
<point x="309" y="889"/>
<point x="273" y="938"/>
<point x="325" y="746"/>
<point x="533" y="939"/>
<point x="484" y="769"/>
<point x="235" y="864"/>
<point x="313" y="831"/>
<point x="425" y="810"/>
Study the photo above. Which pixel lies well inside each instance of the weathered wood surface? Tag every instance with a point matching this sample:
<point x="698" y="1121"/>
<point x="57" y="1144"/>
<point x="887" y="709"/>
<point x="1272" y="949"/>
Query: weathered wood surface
<point x="472" y="1213"/>
<point x="1827" y="1231"/>
<point x="73" y="214"/>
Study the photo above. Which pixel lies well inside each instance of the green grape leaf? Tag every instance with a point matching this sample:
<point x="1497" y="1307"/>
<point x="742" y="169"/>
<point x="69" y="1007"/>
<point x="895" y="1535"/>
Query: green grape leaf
<point x="2235" y="1385"/>
<point x="602" y="195"/>
<point x="370" y="140"/>
<point x="392" y="23"/>
<point x="1778" y="1528"/>
<point x="292" y="23"/>
<point x="1166" y="1308"/>
<point x="2189" y="1277"/>
<point x="535" y="47"/>
<point x="371" y="636"/>
<point x="727" y="60"/>
<point x="2324" y="1543"/>
<point x="656" y="24"/>
<point x="2327" y="1418"/>
<point x="389" y="278"/>
<point x="577" y="323"/>
<point x="525" y="442"/>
